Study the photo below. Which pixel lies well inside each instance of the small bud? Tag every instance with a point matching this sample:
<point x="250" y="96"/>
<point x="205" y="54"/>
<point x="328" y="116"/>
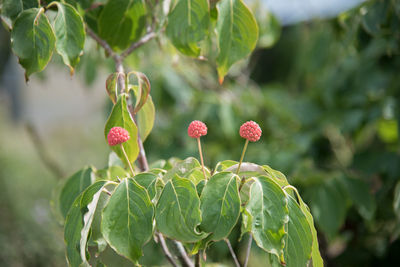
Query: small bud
<point x="251" y="131"/>
<point x="117" y="135"/>
<point x="197" y="129"/>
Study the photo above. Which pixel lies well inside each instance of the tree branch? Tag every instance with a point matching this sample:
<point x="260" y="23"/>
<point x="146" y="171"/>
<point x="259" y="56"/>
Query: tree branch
<point x="232" y="252"/>
<point x="103" y="44"/>
<point x="165" y="249"/>
<point x="43" y="154"/>
<point x="183" y="257"/>
<point x="149" y="35"/>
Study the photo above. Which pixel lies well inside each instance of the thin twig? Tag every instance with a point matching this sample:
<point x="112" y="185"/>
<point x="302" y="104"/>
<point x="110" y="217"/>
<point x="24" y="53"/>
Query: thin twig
<point x="149" y="35"/>
<point x="47" y="160"/>
<point x="165" y="249"/>
<point x="246" y="260"/>
<point x="183" y="257"/>
<point x="103" y="44"/>
<point x="232" y="252"/>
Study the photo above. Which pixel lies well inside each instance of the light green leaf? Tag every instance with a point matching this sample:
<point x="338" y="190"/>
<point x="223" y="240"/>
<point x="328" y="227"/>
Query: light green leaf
<point x="148" y="181"/>
<point x="74" y="224"/>
<point x="237" y="34"/>
<point x="127" y="220"/>
<point x="220" y="205"/>
<point x="11" y="8"/>
<point x="32" y="40"/>
<point x="223" y="165"/>
<point x="122" y="22"/>
<point x="188" y="24"/>
<point x="317" y="260"/>
<point x="299" y="239"/>
<point x="145" y="118"/>
<point x="183" y="168"/>
<point x="121" y="117"/>
<point x="74" y="185"/>
<point x="178" y="211"/>
<point x="111" y="173"/>
<point x="70" y="34"/>
<point x="267" y="213"/>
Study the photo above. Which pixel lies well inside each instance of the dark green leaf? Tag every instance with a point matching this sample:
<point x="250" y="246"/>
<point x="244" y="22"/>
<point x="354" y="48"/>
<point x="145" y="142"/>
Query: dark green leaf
<point x="299" y="238"/>
<point x="122" y="22"/>
<point x="148" y="181"/>
<point x="121" y="117"/>
<point x="32" y="40"/>
<point x="237" y="33"/>
<point x="220" y="205"/>
<point x="75" y="184"/>
<point x="70" y="34"/>
<point x="12" y="8"/>
<point x="188" y="25"/>
<point x="178" y="211"/>
<point x="266" y="215"/>
<point x="74" y="224"/>
<point x="127" y="221"/>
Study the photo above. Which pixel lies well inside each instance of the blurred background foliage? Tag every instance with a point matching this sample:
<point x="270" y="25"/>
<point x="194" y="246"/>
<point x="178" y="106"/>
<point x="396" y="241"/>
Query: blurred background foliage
<point x="326" y="93"/>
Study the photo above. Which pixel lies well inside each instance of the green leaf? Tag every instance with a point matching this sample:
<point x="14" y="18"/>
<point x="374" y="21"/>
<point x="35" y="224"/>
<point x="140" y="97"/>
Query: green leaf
<point x="127" y="220"/>
<point x="178" y="211"/>
<point x="266" y="215"/>
<point x="145" y="119"/>
<point x="89" y="202"/>
<point x="12" y="8"/>
<point x="140" y="85"/>
<point x="111" y="173"/>
<point x="122" y="22"/>
<point x="317" y="260"/>
<point x="223" y="165"/>
<point x="121" y="117"/>
<point x="75" y="184"/>
<point x="220" y="205"/>
<point x="182" y="168"/>
<point x="361" y="196"/>
<point x="328" y="205"/>
<point x="70" y="34"/>
<point x="237" y="34"/>
<point x="188" y="24"/>
<point x="74" y="224"/>
<point x="112" y="86"/>
<point x="148" y="181"/>
<point x="299" y="238"/>
<point x="396" y="200"/>
<point x="32" y="40"/>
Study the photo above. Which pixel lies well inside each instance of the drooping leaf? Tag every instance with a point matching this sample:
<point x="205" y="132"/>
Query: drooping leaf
<point x="70" y="34"/>
<point x="299" y="239"/>
<point x="188" y="24"/>
<point x="12" y="8"/>
<point x="75" y="185"/>
<point x="89" y="202"/>
<point x="178" y="211"/>
<point x="121" y="30"/>
<point x="266" y="215"/>
<point x="120" y="117"/>
<point x="32" y="40"/>
<point x="145" y="118"/>
<point x="237" y="34"/>
<point x="317" y="260"/>
<point x="74" y="224"/>
<point x="140" y="85"/>
<point x="127" y="221"/>
<point x="112" y="86"/>
<point x="220" y="205"/>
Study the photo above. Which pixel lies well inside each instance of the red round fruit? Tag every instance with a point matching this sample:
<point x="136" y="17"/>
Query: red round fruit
<point x="251" y="131"/>
<point x="117" y="135"/>
<point x="197" y="129"/>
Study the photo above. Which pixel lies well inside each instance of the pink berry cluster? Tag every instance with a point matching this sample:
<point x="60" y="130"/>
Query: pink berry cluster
<point x="197" y="129"/>
<point x="117" y="135"/>
<point x="251" y="131"/>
